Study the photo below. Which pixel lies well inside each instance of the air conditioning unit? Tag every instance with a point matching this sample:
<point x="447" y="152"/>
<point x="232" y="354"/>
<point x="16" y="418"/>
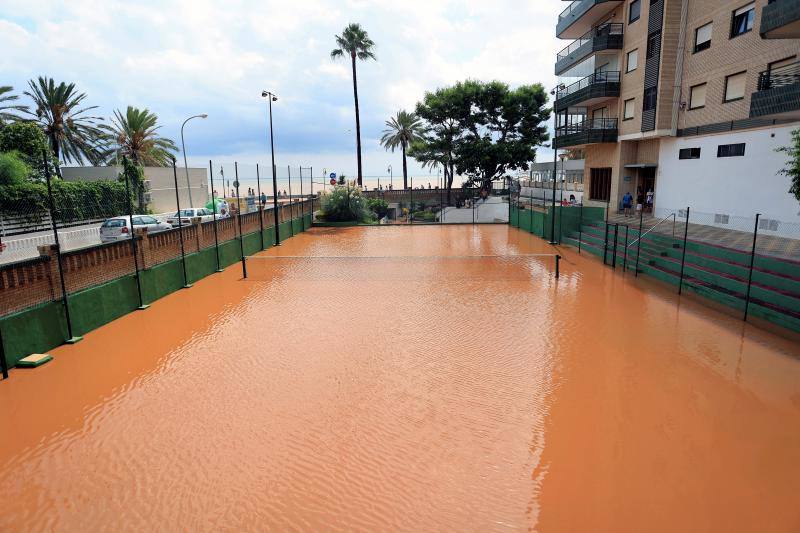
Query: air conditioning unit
<point x="721" y="219"/>
<point x="147" y="185"/>
<point x="768" y="224"/>
<point x="148" y="197"/>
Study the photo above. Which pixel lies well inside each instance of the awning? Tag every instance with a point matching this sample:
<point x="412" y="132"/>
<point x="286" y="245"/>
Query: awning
<point x="642" y="165"/>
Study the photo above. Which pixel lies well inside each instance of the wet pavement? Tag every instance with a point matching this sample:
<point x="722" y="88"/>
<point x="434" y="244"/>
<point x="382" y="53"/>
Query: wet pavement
<point x="383" y="379"/>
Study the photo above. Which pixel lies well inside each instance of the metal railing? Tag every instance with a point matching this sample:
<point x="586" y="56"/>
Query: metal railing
<point x="570" y="8"/>
<point x="586" y="125"/>
<point x="605" y="76"/>
<point x="609" y="28"/>
<point x="779" y="77"/>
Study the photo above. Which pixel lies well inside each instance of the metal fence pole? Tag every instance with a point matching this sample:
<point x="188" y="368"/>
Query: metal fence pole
<point x="275" y="205"/>
<point x="186" y="283"/>
<point x="239" y="217"/>
<point x="580" y="226"/>
<point x="291" y="204"/>
<point x="3" y="362"/>
<point x="312" y="196"/>
<point x="639" y="241"/>
<point x="614" y="256"/>
<point x="558" y="260"/>
<point x="260" y="207"/>
<point x="303" y="206"/>
<point x="750" y="274"/>
<point x="683" y="255"/>
<point x="625" y="255"/>
<point x="411" y="202"/>
<point x="441" y="206"/>
<point x="71" y="339"/>
<point x="214" y="211"/>
<point x="127" y="164"/>
<point x="472" y="201"/>
<point x="605" y="244"/>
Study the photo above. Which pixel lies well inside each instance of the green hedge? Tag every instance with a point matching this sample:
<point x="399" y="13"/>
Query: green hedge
<point x="74" y="200"/>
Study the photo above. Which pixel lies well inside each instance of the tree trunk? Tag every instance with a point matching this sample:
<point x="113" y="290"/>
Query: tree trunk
<point x="405" y="168"/>
<point x="56" y="154"/>
<point x="358" y="119"/>
<point x="450" y="180"/>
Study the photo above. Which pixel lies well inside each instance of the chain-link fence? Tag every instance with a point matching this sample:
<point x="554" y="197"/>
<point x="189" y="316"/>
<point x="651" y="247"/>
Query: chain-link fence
<point x="59" y="238"/>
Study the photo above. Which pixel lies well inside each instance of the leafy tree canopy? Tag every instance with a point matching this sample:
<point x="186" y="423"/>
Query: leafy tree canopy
<point x="793" y="164"/>
<point x="13" y="170"/>
<point x="26" y="138"/>
<point x="489" y="129"/>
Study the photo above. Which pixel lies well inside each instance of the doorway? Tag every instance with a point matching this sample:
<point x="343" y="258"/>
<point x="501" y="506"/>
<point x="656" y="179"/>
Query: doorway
<point x="647" y="181"/>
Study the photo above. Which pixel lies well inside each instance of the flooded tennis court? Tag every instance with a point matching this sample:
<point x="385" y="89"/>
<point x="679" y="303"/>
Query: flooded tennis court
<point x="430" y="378"/>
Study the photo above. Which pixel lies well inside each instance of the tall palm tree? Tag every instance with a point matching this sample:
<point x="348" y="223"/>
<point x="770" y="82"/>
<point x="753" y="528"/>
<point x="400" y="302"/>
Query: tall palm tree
<point x="7" y="107"/>
<point x="402" y="130"/>
<point x="135" y="135"/>
<point x="73" y="135"/>
<point x="355" y="42"/>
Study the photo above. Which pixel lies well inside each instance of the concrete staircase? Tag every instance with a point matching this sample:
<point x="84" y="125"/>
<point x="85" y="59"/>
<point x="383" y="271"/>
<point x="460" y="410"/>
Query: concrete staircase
<point x="714" y="272"/>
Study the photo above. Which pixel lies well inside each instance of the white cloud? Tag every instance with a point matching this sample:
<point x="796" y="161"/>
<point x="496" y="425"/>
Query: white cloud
<point x="180" y="57"/>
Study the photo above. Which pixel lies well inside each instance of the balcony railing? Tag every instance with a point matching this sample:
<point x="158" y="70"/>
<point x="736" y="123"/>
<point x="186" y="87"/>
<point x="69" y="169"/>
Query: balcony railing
<point x="611" y="28"/>
<point x="607" y="76"/>
<point x="780" y="19"/>
<point x="778" y="93"/>
<point x="590" y="131"/>
<point x="779" y="77"/>
<point x="570" y="8"/>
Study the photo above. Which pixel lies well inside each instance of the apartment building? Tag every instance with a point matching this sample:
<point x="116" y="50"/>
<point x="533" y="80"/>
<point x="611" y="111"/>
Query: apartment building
<point x="689" y="98"/>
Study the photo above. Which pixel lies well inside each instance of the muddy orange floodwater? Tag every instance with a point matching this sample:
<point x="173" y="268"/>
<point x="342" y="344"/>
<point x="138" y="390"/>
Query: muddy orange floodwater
<point x="380" y="379"/>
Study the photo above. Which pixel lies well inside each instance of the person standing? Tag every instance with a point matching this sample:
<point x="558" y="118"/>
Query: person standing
<point x="627" y="202"/>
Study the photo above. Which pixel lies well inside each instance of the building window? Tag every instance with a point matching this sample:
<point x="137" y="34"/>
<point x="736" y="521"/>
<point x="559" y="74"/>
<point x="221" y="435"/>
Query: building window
<point x="697" y="96"/>
<point x="633" y="60"/>
<point x="600" y="184"/>
<point x="734" y="86"/>
<point x="634" y="11"/>
<point x="730" y="150"/>
<point x="650" y="96"/>
<point x="653" y="44"/>
<point x="702" y="38"/>
<point x="743" y="20"/>
<point x="689" y="153"/>
<point x="628" y="110"/>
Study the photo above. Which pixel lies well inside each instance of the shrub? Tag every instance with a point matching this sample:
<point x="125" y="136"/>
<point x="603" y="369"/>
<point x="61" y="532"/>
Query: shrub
<point x="345" y="204"/>
<point x="29" y="140"/>
<point x="13" y="170"/>
<point x="74" y="200"/>
<point x="378" y="206"/>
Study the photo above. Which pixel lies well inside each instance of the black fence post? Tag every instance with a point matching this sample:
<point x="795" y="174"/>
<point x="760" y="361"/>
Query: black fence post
<point x="614" y="257"/>
<point x="214" y="211"/>
<point x="605" y="244"/>
<point x="3" y="362"/>
<point x="639" y="241"/>
<point x="558" y="260"/>
<point x="303" y="200"/>
<point x="411" y="203"/>
<point x="750" y="274"/>
<point x="441" y="206"/>
<point x="260" y="207"/>
<point x="71" y="339"/>
<point x="126" y="165"/>
<point x="186" y="283"/>
<point x="683" y="255"/>
<point x="275" y="206"/>
<point x="580" y="225"/>
<point x="625" y="255"/>
<point x="239" y="217"/>
<point x="311" y="221"/>
<point x="291" y="204"/>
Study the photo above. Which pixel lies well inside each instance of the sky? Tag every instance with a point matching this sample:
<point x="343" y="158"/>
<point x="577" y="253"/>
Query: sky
<point x="181" y="58"/>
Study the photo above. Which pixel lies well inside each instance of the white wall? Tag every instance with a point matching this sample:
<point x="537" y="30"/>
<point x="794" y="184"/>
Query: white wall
<point x="162" y="184"/>
<point x="735" y="186"/>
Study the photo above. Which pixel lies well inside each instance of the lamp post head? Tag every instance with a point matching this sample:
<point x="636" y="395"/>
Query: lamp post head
<point x="267" y="94"/>
<point x="204" y="115"/>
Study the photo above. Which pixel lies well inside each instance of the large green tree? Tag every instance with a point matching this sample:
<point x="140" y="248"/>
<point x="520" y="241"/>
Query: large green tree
<point x="356" y="44"/>
<point x="9" y="106"/>
<point x="74" y="135"/>
<point x="402" y="131"/>
<point x="135" y="135"/>
<point x="793" y="164"/>
<point x="485" y="129"/>
<point x="30" y="143"/>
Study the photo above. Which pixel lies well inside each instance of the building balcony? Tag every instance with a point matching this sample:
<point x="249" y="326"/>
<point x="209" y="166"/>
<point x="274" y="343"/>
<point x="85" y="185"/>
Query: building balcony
<point x="778" y="93"/>
<point x="589" y="91"/>
<point x="780" y="19"/>
<point x="581" y="15"/>
<point x="605" y="37"/>
<point x="592" y="131"/>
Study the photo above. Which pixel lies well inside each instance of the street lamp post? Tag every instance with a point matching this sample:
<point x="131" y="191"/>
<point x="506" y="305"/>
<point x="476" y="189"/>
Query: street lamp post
<point x="553" y="145"/>
<point x="185" y="164"/>
<point x="272" y="98"/>
<point x="391" y="180"/>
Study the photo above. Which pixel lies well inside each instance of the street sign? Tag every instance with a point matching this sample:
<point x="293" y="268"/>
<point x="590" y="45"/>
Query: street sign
<point x="332" y="176"/>
<point x="333" y="181"/>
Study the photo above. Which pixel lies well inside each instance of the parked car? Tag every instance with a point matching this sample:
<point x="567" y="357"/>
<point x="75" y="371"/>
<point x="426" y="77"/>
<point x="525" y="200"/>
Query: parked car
<point x="119" y="228"/>
<point x="186" y="216"/>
